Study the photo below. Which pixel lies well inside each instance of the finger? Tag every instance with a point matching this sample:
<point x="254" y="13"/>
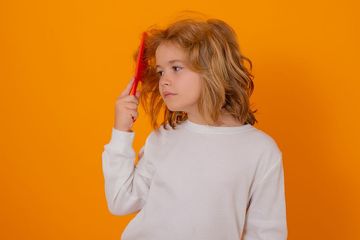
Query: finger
<point x="134" y="114"/>
<point x="131" y="106"/>
<point x="131" y="99"/>
<point x="128" y="87"/>
<point x="137" y="94"/>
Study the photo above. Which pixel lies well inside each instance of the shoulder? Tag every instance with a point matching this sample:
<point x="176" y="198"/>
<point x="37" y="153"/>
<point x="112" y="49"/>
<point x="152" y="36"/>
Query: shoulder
<point x="161" y="136"/>
<point x="268" y="154"/>
<point x="158" y="142"/>
<point x="165" y="131"/>
<point x="267" y="147"/>
<point x="265" y="140"/>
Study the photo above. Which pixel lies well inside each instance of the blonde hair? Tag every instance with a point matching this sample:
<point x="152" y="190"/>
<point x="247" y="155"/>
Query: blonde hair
<point x="213" y="52"/>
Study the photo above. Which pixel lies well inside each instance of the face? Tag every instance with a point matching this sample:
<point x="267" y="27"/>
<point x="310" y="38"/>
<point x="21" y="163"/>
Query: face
<point x="177" y="78"/>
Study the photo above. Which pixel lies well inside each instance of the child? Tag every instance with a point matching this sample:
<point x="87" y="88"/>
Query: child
<point x="206" y="173"/>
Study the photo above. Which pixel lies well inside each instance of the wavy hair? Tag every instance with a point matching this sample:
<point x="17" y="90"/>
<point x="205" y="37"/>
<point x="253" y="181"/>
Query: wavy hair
<point x="212" y="51"/>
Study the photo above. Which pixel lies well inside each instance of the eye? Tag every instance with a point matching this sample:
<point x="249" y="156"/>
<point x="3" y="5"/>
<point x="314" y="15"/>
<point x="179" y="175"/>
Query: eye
<point x="159" y="73"/>
<point x="177" y="68"/>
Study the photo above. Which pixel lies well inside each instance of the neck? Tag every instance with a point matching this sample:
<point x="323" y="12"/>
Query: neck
<point x="225" y="119"/>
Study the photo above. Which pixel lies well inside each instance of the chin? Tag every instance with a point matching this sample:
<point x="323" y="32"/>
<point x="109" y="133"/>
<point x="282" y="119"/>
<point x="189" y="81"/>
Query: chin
<point x="173" y="108"/>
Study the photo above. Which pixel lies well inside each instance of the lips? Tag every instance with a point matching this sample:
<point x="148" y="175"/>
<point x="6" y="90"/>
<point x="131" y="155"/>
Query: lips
<point x="167" y="93"/>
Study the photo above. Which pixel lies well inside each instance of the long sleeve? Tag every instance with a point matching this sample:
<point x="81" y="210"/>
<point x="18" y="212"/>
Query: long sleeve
<point x="126" y="185"/>
<point x="266" y="214"/>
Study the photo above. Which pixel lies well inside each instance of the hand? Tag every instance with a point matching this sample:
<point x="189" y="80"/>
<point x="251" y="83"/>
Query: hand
<point x="126" y="109"/>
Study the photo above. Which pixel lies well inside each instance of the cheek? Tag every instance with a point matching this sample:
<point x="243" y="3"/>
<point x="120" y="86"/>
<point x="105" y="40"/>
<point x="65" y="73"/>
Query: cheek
<point x="196" y="83"/>
<point x="192" y="87"/>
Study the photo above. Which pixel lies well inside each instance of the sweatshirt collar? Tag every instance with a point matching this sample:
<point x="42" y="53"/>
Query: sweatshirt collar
<point x="204" y="128"/>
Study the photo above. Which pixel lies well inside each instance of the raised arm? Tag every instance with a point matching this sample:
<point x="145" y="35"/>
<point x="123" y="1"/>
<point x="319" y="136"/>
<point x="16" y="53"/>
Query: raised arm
<point x="126" y="185"/>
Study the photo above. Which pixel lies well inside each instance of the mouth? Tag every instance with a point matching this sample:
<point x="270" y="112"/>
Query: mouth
<point x="169" y="94"/>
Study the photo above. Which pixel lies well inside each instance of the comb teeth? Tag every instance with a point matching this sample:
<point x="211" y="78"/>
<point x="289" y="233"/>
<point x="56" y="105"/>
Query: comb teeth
<point x="140" y="64"/>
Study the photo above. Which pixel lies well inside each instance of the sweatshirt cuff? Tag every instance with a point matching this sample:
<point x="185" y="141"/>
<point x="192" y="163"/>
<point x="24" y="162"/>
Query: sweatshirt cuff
<point x="121" y="140"/>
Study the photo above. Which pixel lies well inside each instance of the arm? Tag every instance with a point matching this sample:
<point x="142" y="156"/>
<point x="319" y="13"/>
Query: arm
<point x="266" y="214"/>
<point x="126" y="185"/>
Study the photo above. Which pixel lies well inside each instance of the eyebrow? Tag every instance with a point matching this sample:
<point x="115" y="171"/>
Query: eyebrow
<point x="171" y="61"/>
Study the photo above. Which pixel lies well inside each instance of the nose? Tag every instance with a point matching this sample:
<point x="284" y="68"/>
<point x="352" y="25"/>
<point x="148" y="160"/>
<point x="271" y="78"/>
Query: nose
<point x="165" y="79"/>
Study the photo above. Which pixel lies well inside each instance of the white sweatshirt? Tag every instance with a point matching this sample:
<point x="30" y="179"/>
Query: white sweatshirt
<point x="197" y="182"/>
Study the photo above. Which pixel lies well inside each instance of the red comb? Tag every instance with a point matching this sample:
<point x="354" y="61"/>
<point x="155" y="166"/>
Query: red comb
<point x="140" y="65"/>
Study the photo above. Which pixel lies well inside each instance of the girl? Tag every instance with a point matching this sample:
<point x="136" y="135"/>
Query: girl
<point x="206" y="172"/>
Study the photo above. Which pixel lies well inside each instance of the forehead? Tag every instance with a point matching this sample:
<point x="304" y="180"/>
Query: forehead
<point x="167" y="51"/>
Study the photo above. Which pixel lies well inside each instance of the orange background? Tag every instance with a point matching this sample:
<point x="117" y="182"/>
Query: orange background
<point x="63" y="63"/>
